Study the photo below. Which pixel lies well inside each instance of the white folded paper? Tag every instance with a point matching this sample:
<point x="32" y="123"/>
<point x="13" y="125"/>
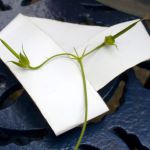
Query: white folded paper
<point x="69" y="35"/>
<point x="56" y="88"/>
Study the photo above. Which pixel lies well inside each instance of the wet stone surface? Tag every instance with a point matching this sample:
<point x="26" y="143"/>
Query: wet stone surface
<point x="22" y="127"/>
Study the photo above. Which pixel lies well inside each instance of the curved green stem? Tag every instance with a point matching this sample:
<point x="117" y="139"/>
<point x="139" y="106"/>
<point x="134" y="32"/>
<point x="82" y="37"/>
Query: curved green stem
<point x="86" y="104"/>
<point x="50" y="58"/>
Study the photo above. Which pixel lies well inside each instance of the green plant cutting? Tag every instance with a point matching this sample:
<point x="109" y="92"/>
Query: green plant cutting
<point x="24" y="62"/>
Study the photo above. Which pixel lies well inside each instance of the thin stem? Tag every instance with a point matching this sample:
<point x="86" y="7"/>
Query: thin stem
<point x="114" y="37"/>
<point x="125" y="30"/>
<point x="94" y="49"/>
<point x="86" y="104"/>
<point x="50" y="58"/>
<point x="10" y="49"/>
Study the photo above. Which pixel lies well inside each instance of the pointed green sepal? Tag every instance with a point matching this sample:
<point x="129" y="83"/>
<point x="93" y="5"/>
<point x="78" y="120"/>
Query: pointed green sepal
<point x="23" y="59"/>
<point x="125" y="30"/>
<point x="9" y="48"/>
<point x="18" y="64"/>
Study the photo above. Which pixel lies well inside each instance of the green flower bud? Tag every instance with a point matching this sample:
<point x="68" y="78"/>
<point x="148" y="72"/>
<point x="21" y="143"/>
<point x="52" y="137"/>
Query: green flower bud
<point x="109" y="40"/>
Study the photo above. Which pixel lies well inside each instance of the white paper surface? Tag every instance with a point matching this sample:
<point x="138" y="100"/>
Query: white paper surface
<point x="108" y="62"/>
<point x="56" y="88"/>
<point x="67" y="35"/>
<point x="81" y="36"/>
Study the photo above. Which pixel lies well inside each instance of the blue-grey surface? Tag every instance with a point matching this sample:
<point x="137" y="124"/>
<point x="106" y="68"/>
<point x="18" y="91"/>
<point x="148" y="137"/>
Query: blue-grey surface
<point x="130" y="122"/>
<point x="79" y="11"/>
<point x="22" y="127"/>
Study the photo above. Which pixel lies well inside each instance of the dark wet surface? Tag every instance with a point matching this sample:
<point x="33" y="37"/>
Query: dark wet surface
<point x="22" y="127"/>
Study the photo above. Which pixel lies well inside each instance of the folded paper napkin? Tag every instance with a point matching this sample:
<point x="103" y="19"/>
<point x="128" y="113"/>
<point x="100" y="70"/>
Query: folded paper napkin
<point x="57" y="88"/>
